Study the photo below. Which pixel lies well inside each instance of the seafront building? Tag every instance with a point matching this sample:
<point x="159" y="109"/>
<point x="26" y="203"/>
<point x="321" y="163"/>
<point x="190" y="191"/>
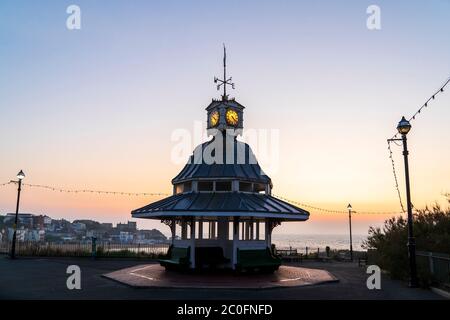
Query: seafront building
<point x="222" y="204"/>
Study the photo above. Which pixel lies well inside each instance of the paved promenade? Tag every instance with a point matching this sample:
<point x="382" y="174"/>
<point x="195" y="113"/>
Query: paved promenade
<point x="45" y="278"/>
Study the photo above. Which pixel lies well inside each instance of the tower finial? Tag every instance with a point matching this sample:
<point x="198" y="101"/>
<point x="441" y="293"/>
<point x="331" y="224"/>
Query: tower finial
<point x="225" y="81"/>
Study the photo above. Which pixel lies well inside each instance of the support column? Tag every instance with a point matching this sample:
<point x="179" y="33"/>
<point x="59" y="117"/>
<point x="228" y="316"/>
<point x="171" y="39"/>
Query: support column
<point x="222" y="231"/>
<point x="200" y="229"/>
<point x="192" y="243"/>
<point x="173" y="229"/>
<point x="267" y="232"/>
<point x="235" y="242"/>
<point x="247" y="230"/>
<point x="183" y="229"/>
<point x="213" y="230"/>
<point x="257" y="230"/>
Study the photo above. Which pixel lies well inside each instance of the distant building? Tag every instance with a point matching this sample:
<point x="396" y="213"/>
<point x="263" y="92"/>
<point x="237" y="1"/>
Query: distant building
<point x="126" y="237"/>
<point x="78" y="226"/>
<point x="130" y="226"/>
<point x="20" y="234"/>
<point x="47" y="220"/>
<point x="24" y="219"/>
<point x="107" y="225"/>
<point x="93" y="233"/>
<point x="34" y="235"/>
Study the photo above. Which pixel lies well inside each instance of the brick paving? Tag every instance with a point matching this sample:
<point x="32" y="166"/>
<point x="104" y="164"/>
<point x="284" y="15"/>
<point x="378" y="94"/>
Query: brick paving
<point x="153" y="275"/>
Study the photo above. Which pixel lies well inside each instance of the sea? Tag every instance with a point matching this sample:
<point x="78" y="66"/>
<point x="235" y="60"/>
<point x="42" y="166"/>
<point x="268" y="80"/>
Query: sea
<point x="318" y="241"/>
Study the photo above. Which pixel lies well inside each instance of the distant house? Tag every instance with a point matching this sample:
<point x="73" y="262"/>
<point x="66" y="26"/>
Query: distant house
<point x="24" y="219"/>
<point x="20" y="234"/>
<point x="107" y="225"/>
<point x="126" y="237"/>
<point x="78" y="226"/>
<point x="47" y="220"/>
<point x="34" y="235"/>
<point x="130" y="226"/>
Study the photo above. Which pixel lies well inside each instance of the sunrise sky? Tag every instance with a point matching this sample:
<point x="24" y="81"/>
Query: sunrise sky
<point x="95" y="108"/>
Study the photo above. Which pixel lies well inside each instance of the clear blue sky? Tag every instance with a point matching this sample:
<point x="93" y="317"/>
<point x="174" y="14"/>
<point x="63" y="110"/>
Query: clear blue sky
<point x="96" y="107"/>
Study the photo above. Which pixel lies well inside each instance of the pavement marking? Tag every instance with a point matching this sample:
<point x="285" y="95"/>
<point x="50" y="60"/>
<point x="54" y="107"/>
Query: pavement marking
<point x="132" y="272"/>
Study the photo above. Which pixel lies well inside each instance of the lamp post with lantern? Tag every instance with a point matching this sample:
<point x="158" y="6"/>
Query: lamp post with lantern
<point x="349" y="207"/>
<point x="403" y="128"/>
<point x="20" y="177"/>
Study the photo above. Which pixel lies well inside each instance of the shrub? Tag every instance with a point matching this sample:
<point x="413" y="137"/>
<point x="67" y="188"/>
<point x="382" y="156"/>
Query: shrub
<point x="432" y="233"/>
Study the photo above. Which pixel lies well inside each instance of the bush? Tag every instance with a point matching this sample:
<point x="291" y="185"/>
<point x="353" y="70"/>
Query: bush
<point x="432" y="233"/>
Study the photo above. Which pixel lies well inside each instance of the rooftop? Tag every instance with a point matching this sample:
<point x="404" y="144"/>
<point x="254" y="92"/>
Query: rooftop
<point x="216" y="204"/>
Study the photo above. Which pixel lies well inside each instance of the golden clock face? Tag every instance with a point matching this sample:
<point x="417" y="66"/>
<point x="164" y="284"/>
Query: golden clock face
<point x="214" y="118"/>
<point x="232" y="117"/>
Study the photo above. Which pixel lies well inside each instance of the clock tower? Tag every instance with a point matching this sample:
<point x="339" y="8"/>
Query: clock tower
<point x="225" y="113"/>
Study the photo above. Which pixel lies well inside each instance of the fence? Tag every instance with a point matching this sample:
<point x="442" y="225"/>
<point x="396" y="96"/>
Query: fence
<point x="291" y="253"/>
<point x="85" y="249"/>
<point x="434" y="265"/>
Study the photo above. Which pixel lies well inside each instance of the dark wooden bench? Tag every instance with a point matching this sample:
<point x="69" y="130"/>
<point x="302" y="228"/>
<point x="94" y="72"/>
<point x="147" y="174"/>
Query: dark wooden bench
<point x="177" y="258"/>
<point x="257" y="260"/>
<point x="209" y="256"/>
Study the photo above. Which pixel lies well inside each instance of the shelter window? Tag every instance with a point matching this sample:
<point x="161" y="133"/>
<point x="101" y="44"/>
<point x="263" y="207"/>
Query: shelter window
<point x="262" y="230"/>
<point x="205" y="186"/>
<point x="183" y="187"/>
<point x="245" y="186"/>
<point x="187" y="186"/>
<point x="212" y="230"/>
<point x="223" y="186"/>
<point x="260" y="188"/>
<point x="251" y="230"/>
<point x="179" y="188"/>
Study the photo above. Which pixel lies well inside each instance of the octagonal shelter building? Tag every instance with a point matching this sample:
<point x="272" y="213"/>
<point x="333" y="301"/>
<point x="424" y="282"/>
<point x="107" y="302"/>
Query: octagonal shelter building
<point x="222" y="213"/>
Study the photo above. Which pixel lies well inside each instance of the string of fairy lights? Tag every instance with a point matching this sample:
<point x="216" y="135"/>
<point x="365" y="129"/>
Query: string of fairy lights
<point x="75" y="191"/>
<point x="305" y="205"/>
<point x="137" y="194"/>
<point x="413" y="117"/>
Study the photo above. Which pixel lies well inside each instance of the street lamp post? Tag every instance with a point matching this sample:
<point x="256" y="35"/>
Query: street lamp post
<point x="349" y="207"/>
<point x="20" y="177"/>
<point x="403" y="128"/>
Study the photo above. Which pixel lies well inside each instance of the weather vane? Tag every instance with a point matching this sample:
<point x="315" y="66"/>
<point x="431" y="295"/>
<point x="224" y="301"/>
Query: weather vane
<point x="225" y="81"/>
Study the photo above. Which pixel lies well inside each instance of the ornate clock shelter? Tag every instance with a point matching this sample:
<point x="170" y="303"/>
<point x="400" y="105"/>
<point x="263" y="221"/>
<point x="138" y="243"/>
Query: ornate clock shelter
<point x="221" y="213"/>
